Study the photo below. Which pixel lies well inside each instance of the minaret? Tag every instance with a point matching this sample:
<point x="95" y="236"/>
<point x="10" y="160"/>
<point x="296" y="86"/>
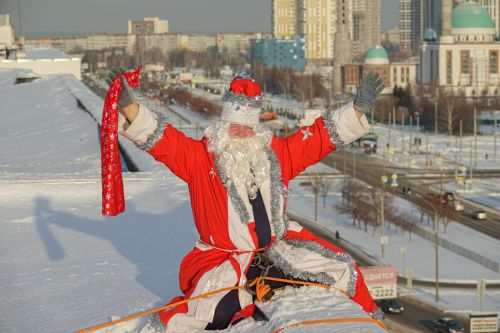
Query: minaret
<point x="342" y="53"/>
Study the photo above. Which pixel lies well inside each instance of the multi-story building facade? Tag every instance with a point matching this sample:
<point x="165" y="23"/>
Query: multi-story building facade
<point x="467" y="60"/>
<point x="410" y="25"/>
<point x="6" y="32"/>
<point x="285" y="18"/>
<point x="391" y="36"/>
<point x="147" y="26"/>
<point x="280" y="52"/>
<point x="315" y="20"/>
<point x="366" y="25"/>
<point x="396" y="74"/>
<point x="198" y="43"/>
<point x="89" y="42"/>
<point x="237" y="42"/>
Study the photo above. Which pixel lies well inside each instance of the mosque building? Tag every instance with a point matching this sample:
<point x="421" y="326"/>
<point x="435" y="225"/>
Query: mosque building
<point x="467" y="59"/>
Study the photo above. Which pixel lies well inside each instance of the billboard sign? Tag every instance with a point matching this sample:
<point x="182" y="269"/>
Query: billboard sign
<point x="382" y="281"/>
<point x="483" y="323"/>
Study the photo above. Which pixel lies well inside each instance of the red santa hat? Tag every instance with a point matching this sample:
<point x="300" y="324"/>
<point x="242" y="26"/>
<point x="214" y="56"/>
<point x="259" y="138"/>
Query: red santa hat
<point x="243" y="101"/>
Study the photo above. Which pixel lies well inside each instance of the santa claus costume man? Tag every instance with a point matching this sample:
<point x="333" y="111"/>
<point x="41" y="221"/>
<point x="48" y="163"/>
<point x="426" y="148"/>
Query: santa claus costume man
<point x="238" y="177"/>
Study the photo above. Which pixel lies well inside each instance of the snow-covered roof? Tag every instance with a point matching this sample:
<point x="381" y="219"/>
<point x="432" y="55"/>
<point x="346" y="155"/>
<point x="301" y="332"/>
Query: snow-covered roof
<point x="45" y="53"/>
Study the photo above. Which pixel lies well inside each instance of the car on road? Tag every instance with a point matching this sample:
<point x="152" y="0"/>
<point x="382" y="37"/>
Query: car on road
<point x="458" y="206"/>
<point x="447" y="325"/>
<point x="449" y="196"/>
<point x="390" y="306"/>
<point x="480" y="215"/>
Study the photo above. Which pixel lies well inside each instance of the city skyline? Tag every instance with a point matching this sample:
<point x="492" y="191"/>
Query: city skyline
<point x="218" y="16"/>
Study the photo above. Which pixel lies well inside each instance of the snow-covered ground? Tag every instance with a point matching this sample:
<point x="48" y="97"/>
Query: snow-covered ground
<point x="420" y="252"/>
<point x="446" y="146"/>
<point x="64" y="267"/>
<point x="443" y="151"/>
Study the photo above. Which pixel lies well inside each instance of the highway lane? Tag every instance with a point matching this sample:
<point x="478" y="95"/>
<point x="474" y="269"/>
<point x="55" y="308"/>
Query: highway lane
<point x="371" y="169"/>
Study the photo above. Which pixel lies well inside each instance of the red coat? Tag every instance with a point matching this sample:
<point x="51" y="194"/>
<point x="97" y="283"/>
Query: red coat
<point x="224" y="218"/>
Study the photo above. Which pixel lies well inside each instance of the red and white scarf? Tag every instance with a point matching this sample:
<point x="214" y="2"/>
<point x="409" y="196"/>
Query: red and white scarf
<point x="113" y="200"/>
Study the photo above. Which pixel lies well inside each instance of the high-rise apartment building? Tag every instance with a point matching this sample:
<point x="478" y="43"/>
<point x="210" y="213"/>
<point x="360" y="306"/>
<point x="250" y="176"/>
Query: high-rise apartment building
<point x="432" y="12"/>
<point x="147" y="26"/>
<point x="285" y="18"/>
<point x="316" y="21"/>
<point x="411" y="25"/>
<point x="366" y="25"/>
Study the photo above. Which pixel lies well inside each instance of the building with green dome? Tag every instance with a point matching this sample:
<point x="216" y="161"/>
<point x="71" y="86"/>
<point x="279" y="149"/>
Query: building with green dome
<point x="467" y="59"/>
<point x="377" y="60"/>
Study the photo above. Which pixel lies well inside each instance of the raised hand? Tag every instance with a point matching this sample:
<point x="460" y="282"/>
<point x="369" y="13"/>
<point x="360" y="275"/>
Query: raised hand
<point x="367" y="92"/>
<point x="127" y="94"/>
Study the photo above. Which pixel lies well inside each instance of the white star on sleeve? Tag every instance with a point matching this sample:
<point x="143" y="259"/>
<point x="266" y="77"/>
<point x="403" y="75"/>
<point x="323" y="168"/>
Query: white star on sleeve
<point x="306" y="133"/>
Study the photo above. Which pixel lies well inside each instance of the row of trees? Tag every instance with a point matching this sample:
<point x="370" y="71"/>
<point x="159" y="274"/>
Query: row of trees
<point x="364" y="203"/>
<point x="210" y="60"/>
<point x="285" y="81"/>
<point x="183" y="97"/>
<point x="422" y="102"/>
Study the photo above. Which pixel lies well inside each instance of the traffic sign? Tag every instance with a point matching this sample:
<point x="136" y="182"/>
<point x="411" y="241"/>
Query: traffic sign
<point x="384" y="179"/>
<point x="394" y="176"/>
<point x="391" y="151"/>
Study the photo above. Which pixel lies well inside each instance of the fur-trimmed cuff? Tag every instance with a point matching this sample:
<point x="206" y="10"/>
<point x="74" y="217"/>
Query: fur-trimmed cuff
<point x="146" y="129"/>
<point x="344" y="126"/>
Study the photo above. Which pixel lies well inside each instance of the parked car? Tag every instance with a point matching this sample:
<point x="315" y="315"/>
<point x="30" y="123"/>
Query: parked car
<point x="447" y="325"/>
<point x="390" y="306"/>
<point x="480" y="215"/>
<point x="458" y="206"/>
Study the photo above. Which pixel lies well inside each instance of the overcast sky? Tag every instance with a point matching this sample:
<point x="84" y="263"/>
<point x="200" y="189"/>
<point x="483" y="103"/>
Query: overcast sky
<point x="54" y="17"/>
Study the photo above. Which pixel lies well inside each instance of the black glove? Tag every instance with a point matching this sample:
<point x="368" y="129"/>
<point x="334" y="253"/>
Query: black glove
<point x="127" y="94"/>
<point x="367" y="91"/>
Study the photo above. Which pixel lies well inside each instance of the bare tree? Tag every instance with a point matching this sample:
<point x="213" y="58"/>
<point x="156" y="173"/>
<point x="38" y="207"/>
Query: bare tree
<point x="352" y="190"/>
<point x="325" y="188"/>
<point x="316" y="185"/>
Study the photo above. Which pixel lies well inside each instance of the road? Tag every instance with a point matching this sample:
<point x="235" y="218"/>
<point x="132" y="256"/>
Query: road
<point x="370" y="170"/>
<point x="415" y="317"/>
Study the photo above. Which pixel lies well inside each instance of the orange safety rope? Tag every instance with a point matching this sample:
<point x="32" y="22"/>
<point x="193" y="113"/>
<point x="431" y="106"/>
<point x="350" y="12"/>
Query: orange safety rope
<point x="336" y="320"/>
<point x="261" y="289"/>
<point x="158" y="309"/>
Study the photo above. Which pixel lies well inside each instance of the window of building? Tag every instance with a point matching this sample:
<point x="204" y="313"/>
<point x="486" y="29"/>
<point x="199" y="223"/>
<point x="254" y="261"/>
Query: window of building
<point x="494" y="62"/>
<point x="407" y="74"/>
<point x="465" y="62"/>
<point x="449" y="66"/>
<point x="395" y="75"/>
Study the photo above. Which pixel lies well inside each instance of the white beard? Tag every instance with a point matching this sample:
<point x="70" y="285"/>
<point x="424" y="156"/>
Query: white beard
<point x="242" y="160"/>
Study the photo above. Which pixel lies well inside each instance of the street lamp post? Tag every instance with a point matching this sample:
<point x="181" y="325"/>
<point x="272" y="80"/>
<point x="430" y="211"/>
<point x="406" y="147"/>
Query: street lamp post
<point x="403" y="254"/>
<point x="495" y="141"/>
<point x="418" y="134"/>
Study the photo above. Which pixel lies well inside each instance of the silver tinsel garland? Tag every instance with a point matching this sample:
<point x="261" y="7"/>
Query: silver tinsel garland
<point x="321" y="277"/>
<point x="152" y="140"/>
<point x="331" y="127"/>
